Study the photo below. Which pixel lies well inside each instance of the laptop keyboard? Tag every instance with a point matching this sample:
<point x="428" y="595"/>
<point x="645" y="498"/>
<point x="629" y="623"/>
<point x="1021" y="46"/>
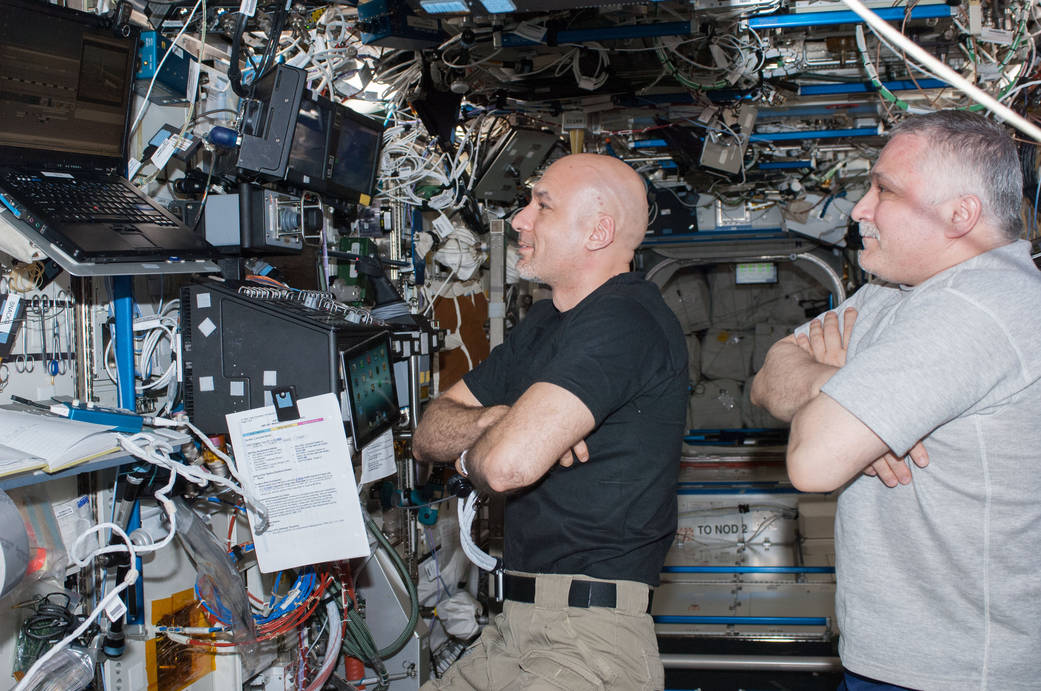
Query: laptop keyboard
<point x="85" y="201"/>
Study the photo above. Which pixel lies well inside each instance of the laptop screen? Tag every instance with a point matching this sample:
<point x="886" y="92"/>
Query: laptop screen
<point x="64" y="82"/>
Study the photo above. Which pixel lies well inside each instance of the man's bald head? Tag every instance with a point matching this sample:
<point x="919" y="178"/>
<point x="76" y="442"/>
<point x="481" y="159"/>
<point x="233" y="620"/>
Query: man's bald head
<point x="586" y="217"/>
<point x="613" y="188"/>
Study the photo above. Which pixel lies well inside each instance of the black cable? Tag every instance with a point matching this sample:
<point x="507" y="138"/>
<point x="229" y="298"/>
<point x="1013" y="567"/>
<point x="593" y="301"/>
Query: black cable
<point x="234" y="72"/>
<point x="208" y="113"/>
<point x="272" y="43"/>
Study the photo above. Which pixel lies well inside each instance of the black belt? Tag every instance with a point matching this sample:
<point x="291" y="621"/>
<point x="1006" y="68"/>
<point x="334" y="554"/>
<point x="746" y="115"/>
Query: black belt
<point x="580" y="594"/>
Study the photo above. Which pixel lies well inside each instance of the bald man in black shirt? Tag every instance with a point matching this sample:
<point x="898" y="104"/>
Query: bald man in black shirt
<point x="597" y="374"/>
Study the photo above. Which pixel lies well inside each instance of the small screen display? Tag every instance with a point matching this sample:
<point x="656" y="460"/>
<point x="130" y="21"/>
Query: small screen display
<point x="307" y="154"/>
<point x="356" y="151"/>
<point x="756" y="272"/>
<point x="370" y="384"/>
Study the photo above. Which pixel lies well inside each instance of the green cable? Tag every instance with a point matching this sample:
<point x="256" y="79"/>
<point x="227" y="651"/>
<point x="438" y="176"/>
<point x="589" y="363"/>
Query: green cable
<point x="362" y="645"/>
<point x="1008" y="56"/>
<point x="413" y="616"/>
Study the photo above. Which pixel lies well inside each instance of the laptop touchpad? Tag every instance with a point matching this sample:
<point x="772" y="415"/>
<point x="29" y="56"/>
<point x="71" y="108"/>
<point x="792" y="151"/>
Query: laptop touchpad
<point x="134" y="237"/>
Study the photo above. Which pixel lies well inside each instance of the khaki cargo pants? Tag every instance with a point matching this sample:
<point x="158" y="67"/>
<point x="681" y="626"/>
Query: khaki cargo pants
<point x="550" y="646"/>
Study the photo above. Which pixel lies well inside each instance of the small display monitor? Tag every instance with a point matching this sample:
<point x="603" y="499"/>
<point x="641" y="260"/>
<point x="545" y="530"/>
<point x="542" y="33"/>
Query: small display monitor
<point x="369" y="376"/>
<point x="307" y="153"/>
<point x="308" y="143"/>
<point x="756" y="272"/>
<point x="356" y="153"/>
<point x="335" y="151"/>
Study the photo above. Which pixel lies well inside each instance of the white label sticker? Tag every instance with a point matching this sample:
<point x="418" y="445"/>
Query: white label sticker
<point x="193" y="79"/>
<point x="162" y="155"/>
<point x="270" y="377"/>
<point x="8" y="315"/>
<point x="115" y="609"/>
<point x="429" y="569"/>
<point x="205" y="383"/>
<point x="207" y="327"/>
<point x="202" y="300"/>
<point x="237" y="389"/>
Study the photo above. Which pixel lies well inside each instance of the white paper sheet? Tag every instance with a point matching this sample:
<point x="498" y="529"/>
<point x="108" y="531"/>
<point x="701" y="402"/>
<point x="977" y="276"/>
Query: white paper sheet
<point x="377" y="458"/>
<point x="15" y="461"/>
<point x="301" y="471"/>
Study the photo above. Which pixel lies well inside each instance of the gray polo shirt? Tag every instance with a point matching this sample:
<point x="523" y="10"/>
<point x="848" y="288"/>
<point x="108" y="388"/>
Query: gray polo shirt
<point x="939" y="581"/>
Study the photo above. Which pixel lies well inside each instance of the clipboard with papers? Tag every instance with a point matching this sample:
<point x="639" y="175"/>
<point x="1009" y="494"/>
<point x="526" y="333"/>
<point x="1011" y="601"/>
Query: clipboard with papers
<point x="299" y="466"/>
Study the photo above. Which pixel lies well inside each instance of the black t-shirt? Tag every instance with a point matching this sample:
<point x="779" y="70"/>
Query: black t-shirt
<point x="621" y="352"/>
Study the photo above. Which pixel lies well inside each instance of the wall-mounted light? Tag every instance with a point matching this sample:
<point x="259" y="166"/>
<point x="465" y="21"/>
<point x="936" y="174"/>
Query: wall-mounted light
<point x="499" y="6"/>
<point x="445" y="6"/>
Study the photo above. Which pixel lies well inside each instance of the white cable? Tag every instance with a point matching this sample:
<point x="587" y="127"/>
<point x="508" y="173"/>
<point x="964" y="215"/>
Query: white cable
<point x="240" y="488"/>
<point x="27" y="680"/>
<point x="154" y="450"/>
<point x="945" y="72"/>
<point x="173" y="43"/>
<point x="458" y="328"/>
<point x="332" y="648"/>
<point x="475" y="62"/>
<point x="466" y="510"/>
<point x="1020" y="87"/>
<point x="475" y="160"/>
<point x="130" y="578"/>
<point x="873" y="73"/>
<point x="165" y="323"/>
<point x="444" y="283"/>
<point x="910" y="63"/>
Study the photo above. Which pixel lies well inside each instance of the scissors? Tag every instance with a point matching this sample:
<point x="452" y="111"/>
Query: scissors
<point x="22" y="362"/>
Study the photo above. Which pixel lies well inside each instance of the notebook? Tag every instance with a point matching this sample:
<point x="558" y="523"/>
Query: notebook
<point x="34" y="441"/>
<point x="65" y="96"/>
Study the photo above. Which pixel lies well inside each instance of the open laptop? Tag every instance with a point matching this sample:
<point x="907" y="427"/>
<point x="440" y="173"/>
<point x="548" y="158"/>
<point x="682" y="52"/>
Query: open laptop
<point x="65" y="95"/>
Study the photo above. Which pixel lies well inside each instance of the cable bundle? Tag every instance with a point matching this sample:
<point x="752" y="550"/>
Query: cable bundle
<point x="283" y="617"/>
<point x="467" y="512"/>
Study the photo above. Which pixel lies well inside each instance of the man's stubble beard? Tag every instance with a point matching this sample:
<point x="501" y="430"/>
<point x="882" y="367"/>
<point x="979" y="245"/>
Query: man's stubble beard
<point x="527" y="272"/>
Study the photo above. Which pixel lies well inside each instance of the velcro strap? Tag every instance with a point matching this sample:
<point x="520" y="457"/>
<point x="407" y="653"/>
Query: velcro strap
<point x="580" y="593"/>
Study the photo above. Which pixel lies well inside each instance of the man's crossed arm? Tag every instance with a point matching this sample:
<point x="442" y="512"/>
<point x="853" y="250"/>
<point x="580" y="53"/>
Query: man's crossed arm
<point x="507" y="447"/>
<point x="827" y="444"/>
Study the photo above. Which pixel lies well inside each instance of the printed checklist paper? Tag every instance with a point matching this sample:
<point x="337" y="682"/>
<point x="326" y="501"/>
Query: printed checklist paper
<point x="301" y="471"/>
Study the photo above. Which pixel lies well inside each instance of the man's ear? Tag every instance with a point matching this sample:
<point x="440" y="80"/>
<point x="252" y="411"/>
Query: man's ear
<point x="602" y="234"/>
<point x="965" y="213"/>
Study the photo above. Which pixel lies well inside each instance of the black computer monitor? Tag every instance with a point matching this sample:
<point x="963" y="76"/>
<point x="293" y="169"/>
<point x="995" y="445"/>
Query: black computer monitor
<point x="308" y="143"/>
<point x="335" y="151"/>
<point x="355" y="145"/>
<point x="369" y="376"/>
<point x="237" y="349"/>
<point x="307" y="152"/>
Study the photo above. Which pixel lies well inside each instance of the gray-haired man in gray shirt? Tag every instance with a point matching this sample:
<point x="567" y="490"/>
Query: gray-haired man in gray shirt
<point x="938" y="579"/>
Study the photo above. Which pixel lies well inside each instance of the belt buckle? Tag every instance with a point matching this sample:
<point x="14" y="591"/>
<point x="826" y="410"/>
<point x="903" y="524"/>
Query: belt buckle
<point x="587" y="594"/>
